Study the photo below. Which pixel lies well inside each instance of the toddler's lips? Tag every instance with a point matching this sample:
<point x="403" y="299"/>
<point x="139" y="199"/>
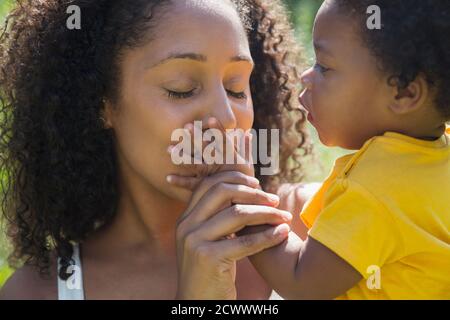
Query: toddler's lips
<point x="303" y="104"/>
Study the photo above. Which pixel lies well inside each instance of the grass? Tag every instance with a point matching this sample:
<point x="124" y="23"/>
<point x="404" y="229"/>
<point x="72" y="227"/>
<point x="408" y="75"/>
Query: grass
<point x="302" y="12"/>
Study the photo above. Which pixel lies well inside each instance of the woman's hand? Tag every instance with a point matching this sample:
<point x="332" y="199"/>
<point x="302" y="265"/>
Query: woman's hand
<point x="207" y="248"/>
<point x="222" y="203"/>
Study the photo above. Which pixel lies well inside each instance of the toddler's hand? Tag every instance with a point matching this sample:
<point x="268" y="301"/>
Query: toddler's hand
<point x="243" y="161"/>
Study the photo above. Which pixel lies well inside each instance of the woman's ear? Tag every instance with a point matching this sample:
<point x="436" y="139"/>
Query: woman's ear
<point x="106" y="114"/>
<point x="411" y="98"/>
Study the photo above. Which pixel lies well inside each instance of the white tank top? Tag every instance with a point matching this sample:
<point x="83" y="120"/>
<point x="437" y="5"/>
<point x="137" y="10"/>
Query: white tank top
<point x="72" y="288"/>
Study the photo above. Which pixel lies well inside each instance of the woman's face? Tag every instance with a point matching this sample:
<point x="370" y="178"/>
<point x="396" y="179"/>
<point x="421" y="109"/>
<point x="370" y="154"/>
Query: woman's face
<point x="197" y="65"/>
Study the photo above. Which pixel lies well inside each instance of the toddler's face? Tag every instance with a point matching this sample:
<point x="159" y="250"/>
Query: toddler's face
<point x="345" y="93"/>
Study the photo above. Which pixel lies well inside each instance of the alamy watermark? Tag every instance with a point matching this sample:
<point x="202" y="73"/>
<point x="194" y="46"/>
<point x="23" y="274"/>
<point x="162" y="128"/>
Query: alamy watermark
<point x="74" y="281"/>
<point x="73" y="22"/>
<point x="215" y="147"/>
<point x="374" y="20"/>
<point x="374" y="280"/>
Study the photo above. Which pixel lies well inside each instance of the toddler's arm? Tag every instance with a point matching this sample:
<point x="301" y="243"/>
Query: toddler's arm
<point x="298" y="269"/>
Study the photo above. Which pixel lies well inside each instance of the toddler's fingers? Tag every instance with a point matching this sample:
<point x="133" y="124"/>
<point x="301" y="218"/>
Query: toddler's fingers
<point x="191" y="163"/>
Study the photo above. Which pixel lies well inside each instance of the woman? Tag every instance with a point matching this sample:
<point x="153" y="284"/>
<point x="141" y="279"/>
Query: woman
<point x="86" y="120"/>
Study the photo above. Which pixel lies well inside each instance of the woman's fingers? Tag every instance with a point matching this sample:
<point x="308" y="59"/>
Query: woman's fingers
<point x="247" y="245"/>
<point x="236" y="217"/>
<point x="232" y="177"/>
<point x="222" y="195"/>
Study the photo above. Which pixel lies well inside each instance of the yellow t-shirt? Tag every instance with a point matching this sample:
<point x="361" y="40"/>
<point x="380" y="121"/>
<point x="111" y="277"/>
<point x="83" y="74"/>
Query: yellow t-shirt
<point x="386" y="211"/>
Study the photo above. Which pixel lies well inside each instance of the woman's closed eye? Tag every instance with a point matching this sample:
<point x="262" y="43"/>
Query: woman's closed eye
<point x="237" y="95"/>
<point x="188" y="94"/>
<point x="180" y="94"/>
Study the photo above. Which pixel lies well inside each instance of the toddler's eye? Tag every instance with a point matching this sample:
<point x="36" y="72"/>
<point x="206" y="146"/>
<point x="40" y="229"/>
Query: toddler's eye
<point x="237" y="95"/>
<point x="321" y="68"/>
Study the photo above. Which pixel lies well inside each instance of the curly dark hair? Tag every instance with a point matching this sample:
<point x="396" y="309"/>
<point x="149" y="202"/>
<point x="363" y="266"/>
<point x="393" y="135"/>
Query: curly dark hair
<point x="56" y="158"/>
<point x="414" y="39"/>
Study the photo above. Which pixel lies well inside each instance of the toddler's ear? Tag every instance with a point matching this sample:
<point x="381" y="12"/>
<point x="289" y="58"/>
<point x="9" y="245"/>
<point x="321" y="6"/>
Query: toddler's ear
<point x="411" y="98"/>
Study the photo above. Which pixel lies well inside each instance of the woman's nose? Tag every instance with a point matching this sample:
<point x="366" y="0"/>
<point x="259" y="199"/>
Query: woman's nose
<point x="222" y="109"/>
<point x="306" y="79"/>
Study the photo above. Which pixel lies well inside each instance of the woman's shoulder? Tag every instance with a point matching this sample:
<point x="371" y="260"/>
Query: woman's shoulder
<point x="26" y="283"/>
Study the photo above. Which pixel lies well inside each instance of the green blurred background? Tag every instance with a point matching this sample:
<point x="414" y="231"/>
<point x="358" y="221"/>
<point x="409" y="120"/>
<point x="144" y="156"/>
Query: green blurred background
<point x="302" y="15"/>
